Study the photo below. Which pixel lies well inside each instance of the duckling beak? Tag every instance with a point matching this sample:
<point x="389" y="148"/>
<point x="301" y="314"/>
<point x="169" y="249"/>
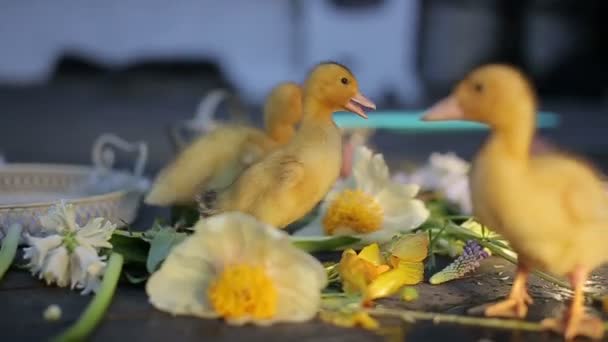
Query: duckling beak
<point x="446" y="109"/>
<point x="358" y="103"/>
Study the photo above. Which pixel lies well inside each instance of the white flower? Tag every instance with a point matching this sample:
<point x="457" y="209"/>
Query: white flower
<point x="448" y="174"/>
<point x="240" y="269"/>
<point x="369" y="204"/>
<point x="68" y="254"/>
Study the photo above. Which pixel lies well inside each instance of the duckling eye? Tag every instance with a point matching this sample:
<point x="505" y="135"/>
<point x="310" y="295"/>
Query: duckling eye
<point x="344" y="80"/>
<point x="478" y="87"/>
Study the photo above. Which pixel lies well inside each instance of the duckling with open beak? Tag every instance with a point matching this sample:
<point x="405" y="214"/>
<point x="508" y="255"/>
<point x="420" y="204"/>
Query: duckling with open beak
<point x="290" y="181"/>
<point x="218" y="157"/>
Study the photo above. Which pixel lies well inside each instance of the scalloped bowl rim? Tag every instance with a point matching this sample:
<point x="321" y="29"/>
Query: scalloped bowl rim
<point x="64" y="169"/>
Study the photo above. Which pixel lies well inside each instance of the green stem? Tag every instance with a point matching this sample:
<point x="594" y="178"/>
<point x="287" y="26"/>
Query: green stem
<point x="9" y="248"/>
<point x="542" y="275"/>
<point x="410" y="316"/>
<point x="98" y="306"/>
<point x="497" y="323"/>
<point x="324" y="244"/>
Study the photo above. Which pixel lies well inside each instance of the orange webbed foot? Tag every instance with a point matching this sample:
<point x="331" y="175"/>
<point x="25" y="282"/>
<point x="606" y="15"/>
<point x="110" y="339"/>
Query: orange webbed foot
<point x="576" y="322"/>
<point x="587" y="326"/>
<point x="516" y="306"/>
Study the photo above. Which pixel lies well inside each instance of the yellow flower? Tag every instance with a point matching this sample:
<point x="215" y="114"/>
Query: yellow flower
<point x="357" y="271"/>
<point x="369" y="205"/>
<point x="240" y="269"/>
<point x="370" y="274"/>
<point x="412" y="248"/>
<point x="406" y="256"/>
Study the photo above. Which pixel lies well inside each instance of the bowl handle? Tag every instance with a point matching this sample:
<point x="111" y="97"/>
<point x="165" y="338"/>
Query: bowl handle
<point x="103" y="152"/>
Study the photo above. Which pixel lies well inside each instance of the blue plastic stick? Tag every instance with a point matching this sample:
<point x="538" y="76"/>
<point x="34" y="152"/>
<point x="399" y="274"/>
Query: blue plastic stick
<point x="410" y="121"/>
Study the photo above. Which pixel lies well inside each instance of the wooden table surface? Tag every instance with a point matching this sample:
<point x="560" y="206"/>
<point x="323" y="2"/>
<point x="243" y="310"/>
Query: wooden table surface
<point x="23" y="299"/>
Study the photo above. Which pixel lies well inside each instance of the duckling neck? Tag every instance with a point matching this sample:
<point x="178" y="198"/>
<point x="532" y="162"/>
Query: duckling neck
<point x="318" y="129"/>
<point x="514" y="139"/>
<point x="317" y="113"/>
<point x="281" y="133"/>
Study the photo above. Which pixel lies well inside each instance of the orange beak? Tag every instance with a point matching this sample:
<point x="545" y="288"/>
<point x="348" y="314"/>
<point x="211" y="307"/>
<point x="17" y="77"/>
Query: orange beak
<point x="358" y="103"/>
<point x="444" y="110"/>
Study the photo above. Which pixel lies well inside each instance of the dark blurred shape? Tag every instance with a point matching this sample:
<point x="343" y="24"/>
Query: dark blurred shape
<point x="564" y="46"/>
<point x="456" y="36"/>
<point x="356" y="4"/>
<point x="558" y="42"/>
<point x="71" y="65"/>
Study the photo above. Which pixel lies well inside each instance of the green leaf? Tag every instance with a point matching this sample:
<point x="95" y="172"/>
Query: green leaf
<point x="323" y="243"/>
<point x="132" y="248"/>
<point x="9" y="248"/>
<point x="161" y="246"/>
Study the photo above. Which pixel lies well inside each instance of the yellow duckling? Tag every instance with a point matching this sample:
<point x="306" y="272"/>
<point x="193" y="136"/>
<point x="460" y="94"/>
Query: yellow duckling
<point x="552" y="208"/>
<point x="215" y="159"/>
<point x="283" y="111"/>
<point x="291" y="180"/>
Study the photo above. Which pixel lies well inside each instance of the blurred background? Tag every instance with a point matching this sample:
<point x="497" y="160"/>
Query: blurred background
<point x="72" y="70"/>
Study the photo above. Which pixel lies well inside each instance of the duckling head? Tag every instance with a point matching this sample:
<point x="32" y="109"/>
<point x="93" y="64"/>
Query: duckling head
<point x="283" y="111"/>
<point x="334" y="87"/>
<point x="497" y="95"/>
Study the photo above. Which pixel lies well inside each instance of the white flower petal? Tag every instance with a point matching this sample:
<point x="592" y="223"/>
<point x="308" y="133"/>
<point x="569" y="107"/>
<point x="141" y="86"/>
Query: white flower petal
<point x="60" y="218"/>
<point x="180" y="286"/>
<point x="415" y="214"/>
<point x="96" y="233"/>
<point x="449" y="163"/>
<point x="459" y="192"/>
<point x="297" y="275"/>
<point x="380" y="236"/>
<point x="86" y="267"/>
<point x="38" y="250"/>
<point x="370" y="171"/>
<point x="395" y="199"/>
<point x="93" y="277"/>
<point x="427" y="177"/>
<point x="49" y="256"/>
<point x="55" y="268"/>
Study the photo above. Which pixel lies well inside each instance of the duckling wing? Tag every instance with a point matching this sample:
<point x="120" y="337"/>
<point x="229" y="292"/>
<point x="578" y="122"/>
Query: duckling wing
<point x="213" y="160"/>
<point x="289" y="172"/>
<point x="278" y="172"/>
<point x="582" y="194"/>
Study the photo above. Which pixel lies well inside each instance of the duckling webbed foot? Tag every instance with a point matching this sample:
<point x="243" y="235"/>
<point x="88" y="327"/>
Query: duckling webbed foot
<point x="586" y="325"/>
<point x="576" y="322"/>
<point x="516" y="305"/>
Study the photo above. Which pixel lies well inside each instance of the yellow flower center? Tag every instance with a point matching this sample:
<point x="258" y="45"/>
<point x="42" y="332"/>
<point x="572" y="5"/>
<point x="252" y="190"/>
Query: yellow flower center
<point x="243" y="291"/>
<point x="354" y="210"/>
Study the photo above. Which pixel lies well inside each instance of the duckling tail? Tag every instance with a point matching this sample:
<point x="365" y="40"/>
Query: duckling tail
<point x="207" y="203"/>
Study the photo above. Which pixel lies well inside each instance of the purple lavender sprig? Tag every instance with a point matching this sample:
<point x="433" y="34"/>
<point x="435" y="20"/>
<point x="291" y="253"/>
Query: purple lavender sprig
<point x="472" y="254"/>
